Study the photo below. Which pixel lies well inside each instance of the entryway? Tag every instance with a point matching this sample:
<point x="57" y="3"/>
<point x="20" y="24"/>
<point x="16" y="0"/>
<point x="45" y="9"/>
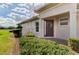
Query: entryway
<point x="49" y="28"/>
<point x="57" y="26"/>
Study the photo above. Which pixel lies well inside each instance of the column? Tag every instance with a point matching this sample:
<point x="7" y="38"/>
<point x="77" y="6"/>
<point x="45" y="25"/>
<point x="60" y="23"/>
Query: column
<point x="73" y="21"/>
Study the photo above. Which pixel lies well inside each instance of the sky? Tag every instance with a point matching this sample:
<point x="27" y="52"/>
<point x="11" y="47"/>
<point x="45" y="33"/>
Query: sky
<point x="11" y="13"/>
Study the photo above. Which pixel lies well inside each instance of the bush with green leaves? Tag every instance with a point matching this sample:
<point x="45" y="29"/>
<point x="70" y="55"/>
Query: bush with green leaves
<point x="74" y="44"/>
<point x="30" y="34"/>
<point x="19" y="26"/>
<point x="37" y="46"/>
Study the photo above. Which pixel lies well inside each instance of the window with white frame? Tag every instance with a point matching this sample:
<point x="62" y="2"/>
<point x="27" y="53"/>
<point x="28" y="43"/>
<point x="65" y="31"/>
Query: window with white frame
<point x="37" y="26"/>
<point x="64" y="21"/>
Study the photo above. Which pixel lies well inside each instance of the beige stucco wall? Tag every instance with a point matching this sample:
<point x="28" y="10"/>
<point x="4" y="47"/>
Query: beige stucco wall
<point x="65" y="31"/>
<point x="78" y="24"/>
<point x="26" y="27"/>
<point x="30" y="27"/>
<point x="61" y="31"/>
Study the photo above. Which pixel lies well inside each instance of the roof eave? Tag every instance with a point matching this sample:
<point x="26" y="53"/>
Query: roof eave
<point x="45" y="7"/>
<point x="28" y="20"/>
<point x="38" y="8"/>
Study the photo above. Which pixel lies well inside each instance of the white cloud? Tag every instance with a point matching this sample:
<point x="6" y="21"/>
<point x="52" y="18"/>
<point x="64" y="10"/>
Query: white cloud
<point x="11" y="20"/>
<point x="20" y="10"/>
<point x="2" y="20"/>
<point x="9" y="4"/>
<point x="22" y="4"/>
<point x="12" y="15"/>
<point x="15" y="15"/>
<point x="7" y="22"/>
<point x="26" y="5"/>
<point x="5" y="5"/>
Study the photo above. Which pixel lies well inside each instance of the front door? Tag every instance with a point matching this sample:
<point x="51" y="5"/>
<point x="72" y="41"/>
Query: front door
<point x="49" y="28"/>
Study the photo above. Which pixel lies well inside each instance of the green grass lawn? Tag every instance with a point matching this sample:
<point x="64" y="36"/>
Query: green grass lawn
<point x="6" y="42"/>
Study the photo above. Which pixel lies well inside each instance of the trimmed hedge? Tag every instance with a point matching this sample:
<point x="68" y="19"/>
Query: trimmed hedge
<point x="37" y="46"/>
<point x="74" y="44"/>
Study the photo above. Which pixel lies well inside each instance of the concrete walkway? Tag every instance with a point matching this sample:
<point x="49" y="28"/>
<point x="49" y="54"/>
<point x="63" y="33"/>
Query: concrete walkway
<point x="15" y="48"/>
<point x="60" y="41"/>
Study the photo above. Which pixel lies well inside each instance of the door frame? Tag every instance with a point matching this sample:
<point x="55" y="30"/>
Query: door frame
<point x="46" y="28"/>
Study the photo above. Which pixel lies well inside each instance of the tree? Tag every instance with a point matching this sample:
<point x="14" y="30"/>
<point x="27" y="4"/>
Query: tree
<point x="19" y="26"/>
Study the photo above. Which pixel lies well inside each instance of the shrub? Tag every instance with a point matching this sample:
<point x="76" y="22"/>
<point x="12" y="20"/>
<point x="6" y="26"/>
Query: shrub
<point x="74" y="44"/>
<point x="30" y="34"/>
<point x="19" y="26"/>
<point x="37" y="46"/>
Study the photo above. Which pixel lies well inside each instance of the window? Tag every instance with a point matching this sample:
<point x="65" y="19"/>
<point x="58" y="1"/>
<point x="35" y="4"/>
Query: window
<point x="37" y="26"/>
<point x="64" y="21"/>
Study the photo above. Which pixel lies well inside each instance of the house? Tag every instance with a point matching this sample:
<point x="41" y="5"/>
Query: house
<point x="56" y="20"/>
<point x="30" y="25"/>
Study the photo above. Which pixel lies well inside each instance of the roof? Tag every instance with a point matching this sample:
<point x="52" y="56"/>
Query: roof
<point x="29" y="20"/>
<point x="45" y="6"/>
